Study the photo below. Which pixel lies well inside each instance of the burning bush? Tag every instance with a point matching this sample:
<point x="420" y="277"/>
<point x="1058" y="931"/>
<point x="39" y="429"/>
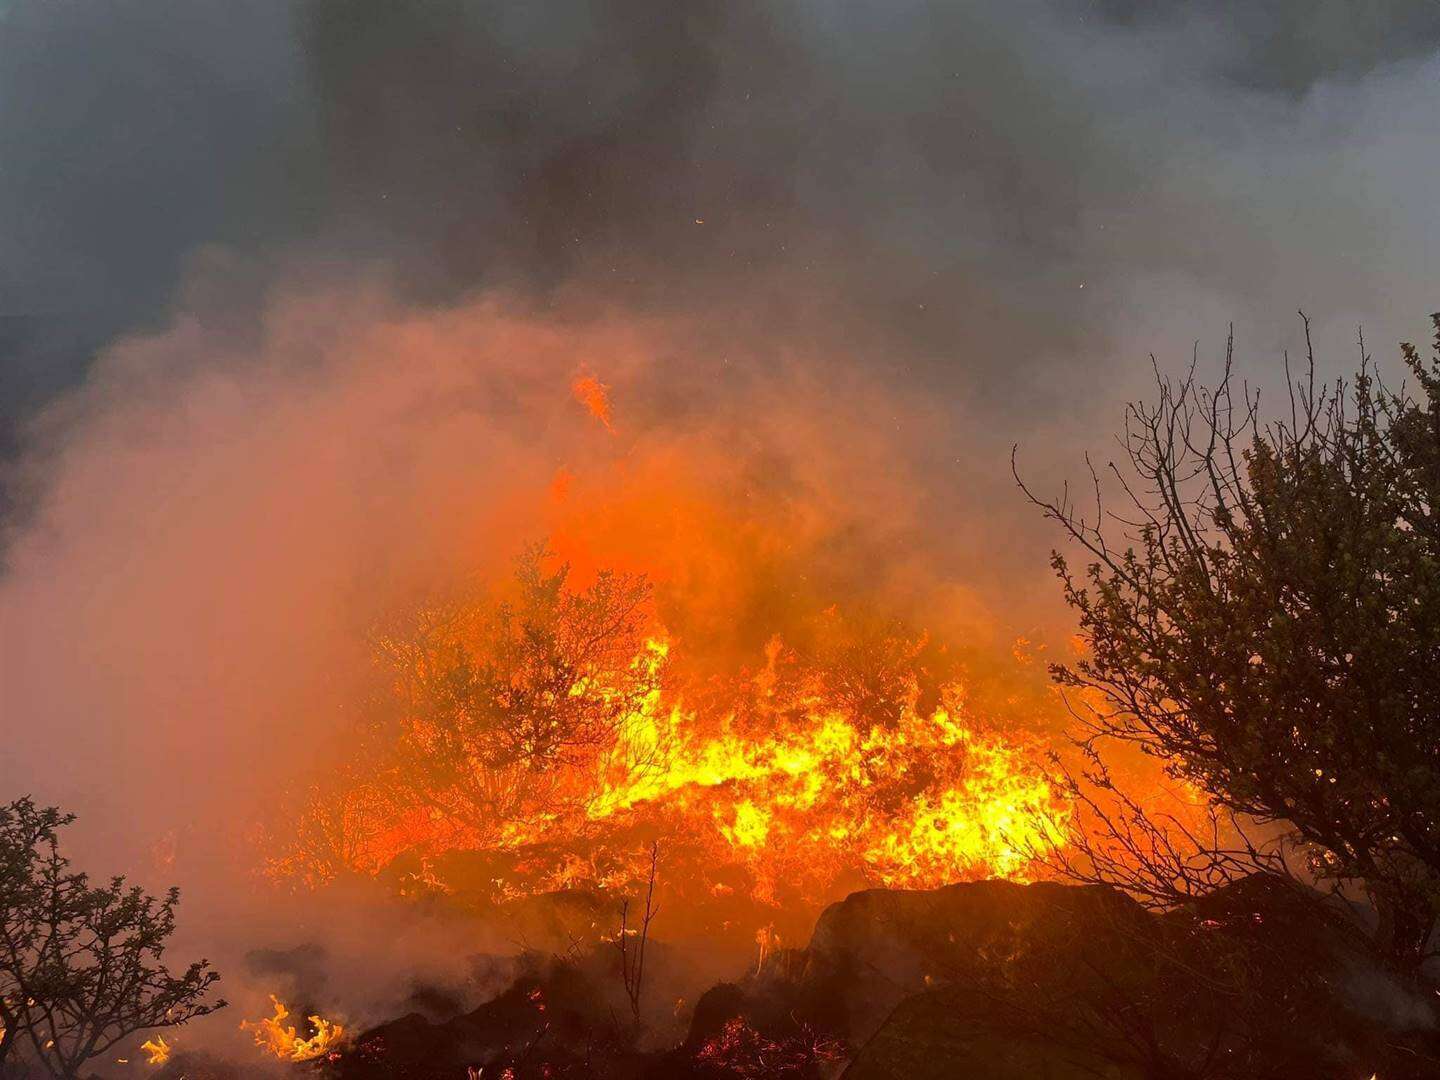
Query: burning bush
<point x="503" y="702"/>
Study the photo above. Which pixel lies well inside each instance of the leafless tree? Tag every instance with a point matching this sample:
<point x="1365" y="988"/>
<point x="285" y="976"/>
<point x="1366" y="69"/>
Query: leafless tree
<point x="631" y="941"/>
<point x="1263" y="616"/>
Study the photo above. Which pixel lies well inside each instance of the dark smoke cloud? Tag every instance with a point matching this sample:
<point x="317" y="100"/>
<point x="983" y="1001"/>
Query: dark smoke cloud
<point x="1003" y="206"/>
<point x="130" y="133"/>
<point x="939" y="179"/>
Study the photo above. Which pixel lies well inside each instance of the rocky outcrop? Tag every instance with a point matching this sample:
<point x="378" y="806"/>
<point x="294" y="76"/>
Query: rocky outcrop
<point x="553" y="1020"/>
<point x="988" y="980"/>
<point x="877" y="948"/>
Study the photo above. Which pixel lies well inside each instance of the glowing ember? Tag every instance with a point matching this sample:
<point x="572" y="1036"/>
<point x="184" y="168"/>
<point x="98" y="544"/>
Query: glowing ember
<point x="157" y="1050"/>
<point x="594" y="395"/>
<point x="283" y="1041"/>
<point x="740" y="1050"/>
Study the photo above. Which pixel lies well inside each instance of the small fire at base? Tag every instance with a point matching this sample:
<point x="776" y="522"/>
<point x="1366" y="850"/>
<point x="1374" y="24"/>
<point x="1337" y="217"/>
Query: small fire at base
<point x="284" y="1042"/>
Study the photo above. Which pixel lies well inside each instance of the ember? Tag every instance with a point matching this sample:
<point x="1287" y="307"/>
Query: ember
<point x="594" y="395"/>
<point x="740" y="1050"/>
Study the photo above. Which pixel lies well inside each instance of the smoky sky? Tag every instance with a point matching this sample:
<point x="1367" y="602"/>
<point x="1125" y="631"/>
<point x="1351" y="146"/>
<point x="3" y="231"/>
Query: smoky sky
<point x="939" y="178"/>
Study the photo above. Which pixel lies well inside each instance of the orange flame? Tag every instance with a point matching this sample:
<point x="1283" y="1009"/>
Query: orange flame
<point x="790" y="785"/>
<point x="847" y="752"/>
<point x="925" y="801"/>
<point x="284" y="1042"/>
<point x="157" y="1050"/>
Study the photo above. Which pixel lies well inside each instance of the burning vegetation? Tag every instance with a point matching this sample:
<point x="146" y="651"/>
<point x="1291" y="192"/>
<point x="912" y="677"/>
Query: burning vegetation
<point x="548" y="724"/>
<point x="663" y="667"/>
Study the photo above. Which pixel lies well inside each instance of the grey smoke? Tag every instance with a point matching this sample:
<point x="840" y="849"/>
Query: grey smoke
<point x="939" y="178"/>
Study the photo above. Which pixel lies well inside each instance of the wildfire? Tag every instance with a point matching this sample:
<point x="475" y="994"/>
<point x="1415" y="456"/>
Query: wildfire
<point x="284" y="1042"/>
<point x="919" y="802"/>
<point x="551" y="726"/>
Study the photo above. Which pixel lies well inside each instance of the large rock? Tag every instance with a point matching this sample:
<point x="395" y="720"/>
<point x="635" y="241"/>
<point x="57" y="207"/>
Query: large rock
<point x="874" y="977"/>
<point x="878" y="947"/>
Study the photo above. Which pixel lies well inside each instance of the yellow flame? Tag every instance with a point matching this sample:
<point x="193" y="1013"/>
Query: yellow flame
<point x="157" y="1049"/>
<point x="796" y="787"/>
<point x="285" y="1042"/>
<point x="750" y="828"/>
